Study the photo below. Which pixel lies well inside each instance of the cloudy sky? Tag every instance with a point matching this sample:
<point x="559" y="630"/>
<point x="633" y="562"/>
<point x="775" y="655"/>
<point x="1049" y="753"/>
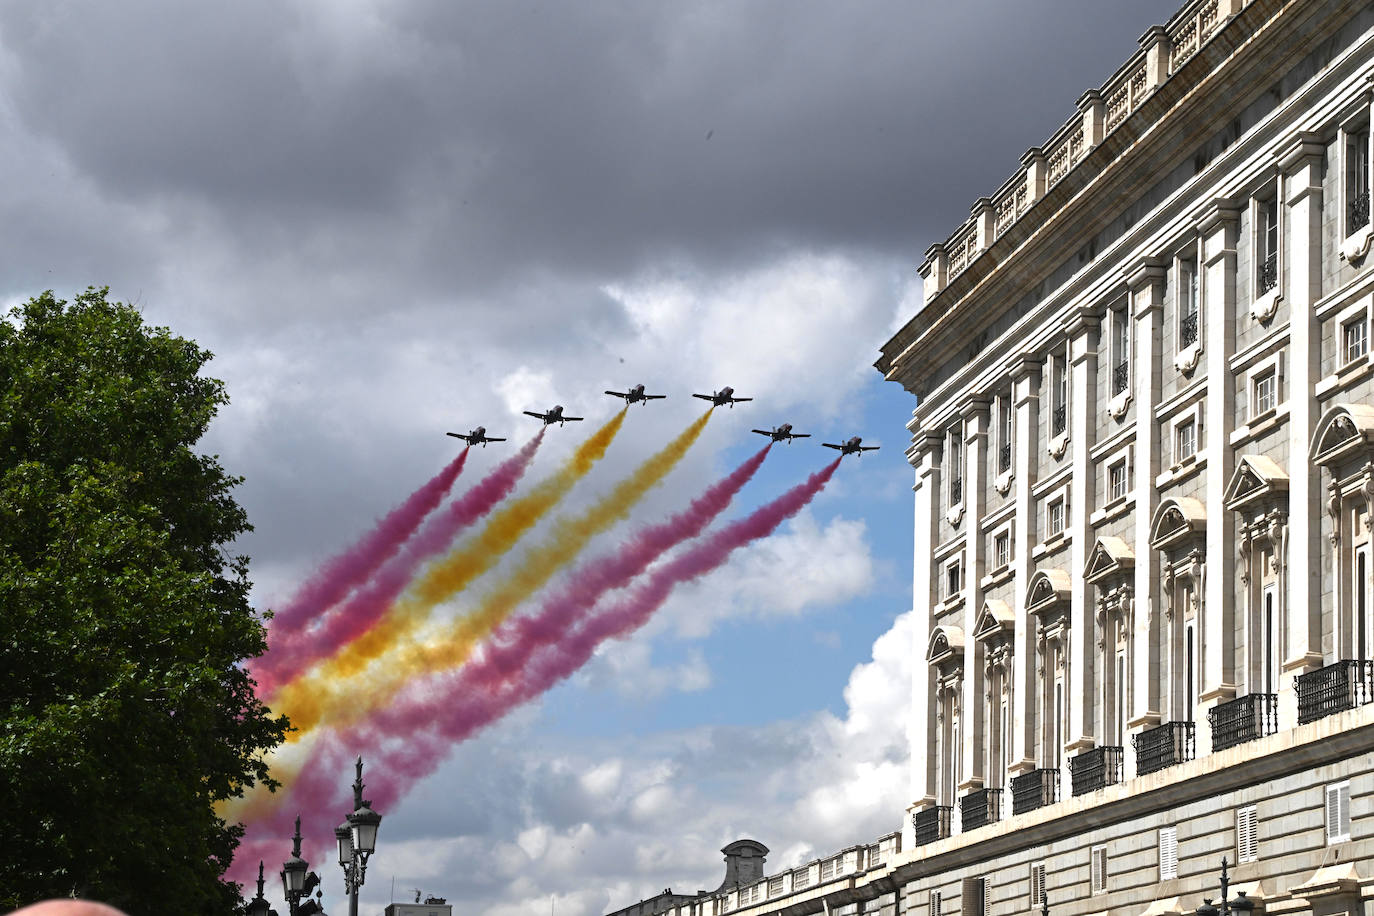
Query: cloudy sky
<point x="392" y="218"/>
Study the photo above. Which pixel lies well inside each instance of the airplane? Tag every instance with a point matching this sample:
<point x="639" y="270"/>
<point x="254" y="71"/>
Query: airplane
<point x="553" y="416"/>
<point x="783" y="433"/>
<point x="852" y="447"/>
<point x="725" y="395"/>
<point x="477" y="436"/>
<point x="636" y="394"/>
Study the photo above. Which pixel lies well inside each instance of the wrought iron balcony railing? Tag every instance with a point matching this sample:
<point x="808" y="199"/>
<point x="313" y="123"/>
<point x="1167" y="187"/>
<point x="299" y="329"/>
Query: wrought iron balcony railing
<point x="1004" y="457"/>
<point x="1243" y="719"/>
<point x="1121" y="377"/>
<point x="1187" y="330"/>
<point x="1269" y="274"/>
<point x="1035" y="789"/>
<point x="931" y="824"/>
<point x="1359" y="213"/>
<point x="1095" y="769"/>
<point x="1059" y="419"/>
<point x="1339" y="686"/>
<point x="980" y="807"/>
<point x="1163" y="746"/>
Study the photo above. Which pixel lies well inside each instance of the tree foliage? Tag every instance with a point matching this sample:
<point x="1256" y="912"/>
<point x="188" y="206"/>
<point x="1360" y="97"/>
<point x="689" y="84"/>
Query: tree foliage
<point x="123" y="620"/>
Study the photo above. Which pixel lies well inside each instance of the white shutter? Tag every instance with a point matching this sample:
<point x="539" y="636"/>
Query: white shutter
<point x="1037" y="884"/>
<point x="1168" y="853"/>
<point x="1338" y="812"/>
<point x="1099" y="869"/>
<point x="1247" y="834"/>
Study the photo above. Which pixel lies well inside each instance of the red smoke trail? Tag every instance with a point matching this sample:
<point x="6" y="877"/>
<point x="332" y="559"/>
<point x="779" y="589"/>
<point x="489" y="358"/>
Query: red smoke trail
<point x="368" y="604"/>
<point x="413" y="734"/>
<point x="337" y="577"/>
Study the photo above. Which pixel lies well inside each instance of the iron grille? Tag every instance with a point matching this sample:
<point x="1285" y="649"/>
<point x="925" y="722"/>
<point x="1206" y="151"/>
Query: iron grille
<point x="931" y="824"/>
<point x="980" y="807"/>
<point x="1359" y="212"/>
<point x="1187" y="330"/>
<point x="1339" y="686"/>
<point x="1269" y="274"/>
<point x="1095" y="769"/>
<point x="1035" y="789"/>
<point x="1060" y="419"/>
<point x="1243" y="719"/>
<point x="1163" y="746"/>
<point x="1004" y="457"/>
<point x="1121" y="377"/>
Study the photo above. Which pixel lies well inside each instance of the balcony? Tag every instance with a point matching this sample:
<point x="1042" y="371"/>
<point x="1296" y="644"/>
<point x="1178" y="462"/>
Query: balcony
<point x="1096" y="769"/>
<point x="1187" y="330"/>
<point x="1337" y="687"/>
<point x="1359" y="213"/>
<point x="1243" y="719"/>
<point x="1059" y="420"/>
<point x="1035" y="789"/>
<point x="931" y="824"/>
<point x="980" y="807"/>
<point x="1121" y="377"/>
<point x="1004" y="458"/>
<point x="1268" y="274"/>
<point x="1163" y="746"/>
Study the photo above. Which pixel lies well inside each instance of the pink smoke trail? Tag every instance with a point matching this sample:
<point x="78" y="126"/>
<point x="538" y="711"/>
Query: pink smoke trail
<point x="338" y="576"/>
<point x="413" y="734"/>
<point x="367" y="605"/>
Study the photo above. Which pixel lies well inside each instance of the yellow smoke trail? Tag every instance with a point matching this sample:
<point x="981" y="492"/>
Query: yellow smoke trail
<point x="304" y="699"/>
<point x="340" y="703"/>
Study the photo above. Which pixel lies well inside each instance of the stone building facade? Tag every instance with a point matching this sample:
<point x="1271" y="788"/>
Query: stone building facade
<point x="1144" y="489"/>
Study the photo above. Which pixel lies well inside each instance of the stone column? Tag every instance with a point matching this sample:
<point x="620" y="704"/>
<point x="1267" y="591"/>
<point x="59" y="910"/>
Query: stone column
<point x="1146" y="283"/>
<point x="1301" y="164"/>
<point x="1218" y="229"/>
<point x="975" y="415"/>
<point x="1025" y="382"/>
<point x="1082" y="329"/>
<point x="924" y="456"/>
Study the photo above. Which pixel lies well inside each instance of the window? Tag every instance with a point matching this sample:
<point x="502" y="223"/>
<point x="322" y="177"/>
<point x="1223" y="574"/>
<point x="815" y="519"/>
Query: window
<point x="1168" y="853"/>
<point x="1037" y="885"/>
<point x="1338" y="812"/>
<point x="936" y="904"/>
<point x="1185" y="440"/>
<point x="1099" y="869"/>
<point x="1356" y="179"/>
<point x="1355" y="338"/>
<point x="1247" y="834"/>
<point x="975" y="897"/>
<point x="1121" y="351"/>
<point x="1001" y="549"/>
<point x="1188" y="304"/>
<point x="1269" y="622"/>
<point x="1116" y="481"/>
<point x="1266" y="245"/>
<point x="1055" y="523"/>
<point x="953" y="578"/>
<point x="1059" y="395"/>
<point x="1004" y="433"/>
<point x="954" y="461"/>
<point x="1360" y="584"/>
<point x="1266" y="393"/>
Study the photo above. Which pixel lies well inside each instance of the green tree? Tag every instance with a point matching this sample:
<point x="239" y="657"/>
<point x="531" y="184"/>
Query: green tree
<point x="126" y="711"/>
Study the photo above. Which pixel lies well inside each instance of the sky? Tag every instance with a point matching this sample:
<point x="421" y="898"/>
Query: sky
<point x="392" y="218"/>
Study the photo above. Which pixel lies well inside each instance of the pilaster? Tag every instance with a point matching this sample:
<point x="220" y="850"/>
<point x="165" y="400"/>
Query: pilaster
<point x="1025" y="382"/>
<point x="1083" y="331"/>
<point x="975" y="415"/>
<point x="925" y="453"/>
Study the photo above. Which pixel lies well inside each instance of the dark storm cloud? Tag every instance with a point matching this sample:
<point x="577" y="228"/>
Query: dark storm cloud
<point x="471" y="143"/>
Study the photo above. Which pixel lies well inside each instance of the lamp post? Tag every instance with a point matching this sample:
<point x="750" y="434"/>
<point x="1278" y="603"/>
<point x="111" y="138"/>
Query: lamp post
<point x="1241" y="904"/>
<point x="258" y="905"/>
<point x="297" y="880"/>
<point x="357" y="840"/>
<point x="1044" y="903"/>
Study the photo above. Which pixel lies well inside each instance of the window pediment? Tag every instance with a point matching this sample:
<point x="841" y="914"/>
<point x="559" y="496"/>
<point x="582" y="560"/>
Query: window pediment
<point x="946" y="643"/>
<point x="1176" y="521"/>
<point x="1344" y="430"/>
<point x="1110" y="556"/>
<point x="996" y="619"/>
<point x="1256" y="478"/>
<point x="1048" y="588"/>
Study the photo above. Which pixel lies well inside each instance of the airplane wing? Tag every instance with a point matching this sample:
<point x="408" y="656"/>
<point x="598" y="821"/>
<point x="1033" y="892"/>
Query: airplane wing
<point x="704" y="397"/>
<point x="457" y="436"/>
<point x="654" y="397"/>
<point x="833" y="445"/>
<point x="761" y="432"/>
<point x="802" y="436"/>
<point x="537" y="416"/>
<point x="869" y="448"/>
<point x="490" y="439"/>
<point x="619" y="394"/>
<point x="738" y="400"/>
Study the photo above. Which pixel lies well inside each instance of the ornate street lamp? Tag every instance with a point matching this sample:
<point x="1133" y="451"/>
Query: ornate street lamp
<point x="357" y="840"/>
<point x="1240" y="904"/>
<point x="297" y="880"/>
<point x="258" y="905"/>
<point x="1044" y="902"/>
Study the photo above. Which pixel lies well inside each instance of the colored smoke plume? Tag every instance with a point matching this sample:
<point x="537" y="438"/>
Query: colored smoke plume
<point x="340" y="575"/>
<point x="408" y="741"/>
<point x="368" y="604"/>
<point x="328" y="688"/>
